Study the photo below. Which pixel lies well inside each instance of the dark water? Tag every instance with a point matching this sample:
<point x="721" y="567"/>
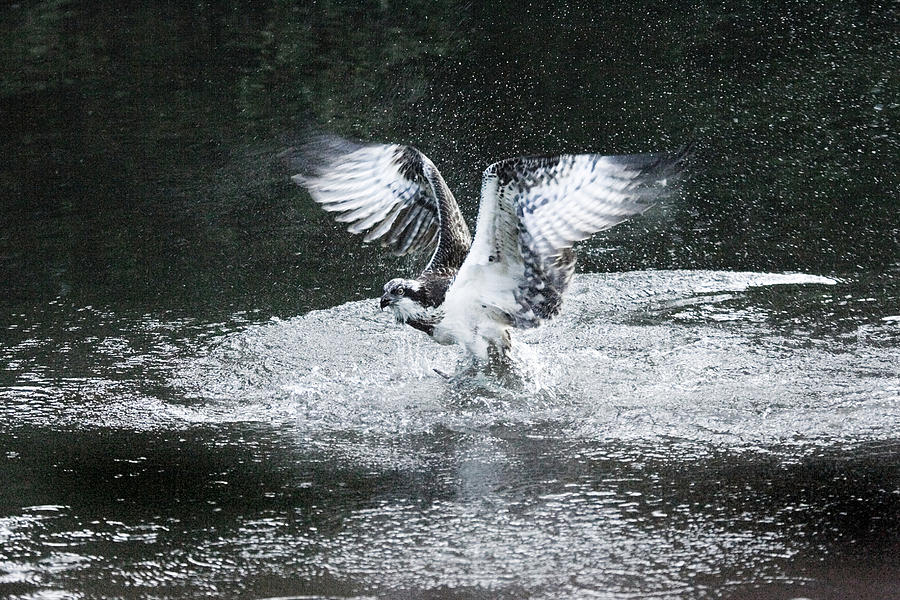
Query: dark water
<point x="198" y="399"/>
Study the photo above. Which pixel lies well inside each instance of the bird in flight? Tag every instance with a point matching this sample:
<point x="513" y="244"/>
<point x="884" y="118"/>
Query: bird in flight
<point x="514" y="273"/>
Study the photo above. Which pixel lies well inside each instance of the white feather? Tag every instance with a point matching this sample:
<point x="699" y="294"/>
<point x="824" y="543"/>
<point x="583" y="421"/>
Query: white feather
<point x="532" y="211"/>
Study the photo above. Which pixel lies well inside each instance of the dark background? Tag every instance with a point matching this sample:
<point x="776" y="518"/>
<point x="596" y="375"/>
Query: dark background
<point x="139" y="138"/>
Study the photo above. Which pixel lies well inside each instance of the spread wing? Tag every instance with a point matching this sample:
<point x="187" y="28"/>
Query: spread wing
<point x="533" y="210"/>
<point x="391" y="193"/>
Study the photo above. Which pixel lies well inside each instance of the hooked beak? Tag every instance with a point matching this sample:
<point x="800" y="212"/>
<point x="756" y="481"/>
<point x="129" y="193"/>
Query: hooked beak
<point x="385" y="301"/>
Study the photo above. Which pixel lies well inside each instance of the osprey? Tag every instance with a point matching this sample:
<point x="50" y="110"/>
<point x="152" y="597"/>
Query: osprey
<point x="515" y="272"/>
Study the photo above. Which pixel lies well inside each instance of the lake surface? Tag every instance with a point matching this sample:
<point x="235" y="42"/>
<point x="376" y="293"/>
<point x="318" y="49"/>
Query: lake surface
<point x="199" y="397"/>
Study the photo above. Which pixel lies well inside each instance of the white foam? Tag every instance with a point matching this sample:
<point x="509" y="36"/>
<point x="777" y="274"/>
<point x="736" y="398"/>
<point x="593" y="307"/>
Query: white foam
<point x="730" y="380"/>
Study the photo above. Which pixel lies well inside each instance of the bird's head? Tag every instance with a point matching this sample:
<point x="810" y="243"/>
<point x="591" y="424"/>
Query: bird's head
<point x="404" y="298"/>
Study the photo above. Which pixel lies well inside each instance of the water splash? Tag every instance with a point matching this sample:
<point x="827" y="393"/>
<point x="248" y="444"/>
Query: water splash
<point x="617" y="363"/>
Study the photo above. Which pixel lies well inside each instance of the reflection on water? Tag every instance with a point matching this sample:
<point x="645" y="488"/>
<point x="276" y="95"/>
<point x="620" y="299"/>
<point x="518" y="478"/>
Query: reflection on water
<point x="682" y="437"/>
<point x="479" y="516"/>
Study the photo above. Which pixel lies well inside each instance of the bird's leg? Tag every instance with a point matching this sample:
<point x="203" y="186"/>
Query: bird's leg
<point x="499" y="359"/>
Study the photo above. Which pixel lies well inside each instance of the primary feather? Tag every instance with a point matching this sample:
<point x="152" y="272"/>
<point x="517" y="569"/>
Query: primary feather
<point x="391" y="193"/>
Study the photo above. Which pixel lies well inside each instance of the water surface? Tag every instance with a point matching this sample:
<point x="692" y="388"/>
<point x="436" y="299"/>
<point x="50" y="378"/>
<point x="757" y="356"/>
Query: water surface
<point x="198" y="397"/>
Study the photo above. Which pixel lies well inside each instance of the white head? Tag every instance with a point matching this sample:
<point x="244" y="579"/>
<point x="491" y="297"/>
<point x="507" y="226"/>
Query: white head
<point x="404" y="298"/>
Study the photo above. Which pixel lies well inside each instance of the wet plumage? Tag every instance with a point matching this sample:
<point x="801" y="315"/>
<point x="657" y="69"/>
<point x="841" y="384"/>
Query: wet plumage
<point x="520" y="263"/>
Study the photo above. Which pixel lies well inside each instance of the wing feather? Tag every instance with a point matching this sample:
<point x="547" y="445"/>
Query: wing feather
<point x="391" y="193"/>
<point x="386" y="224"/>
<point x="410" y="232"/>
<point x="532" y="212"/>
